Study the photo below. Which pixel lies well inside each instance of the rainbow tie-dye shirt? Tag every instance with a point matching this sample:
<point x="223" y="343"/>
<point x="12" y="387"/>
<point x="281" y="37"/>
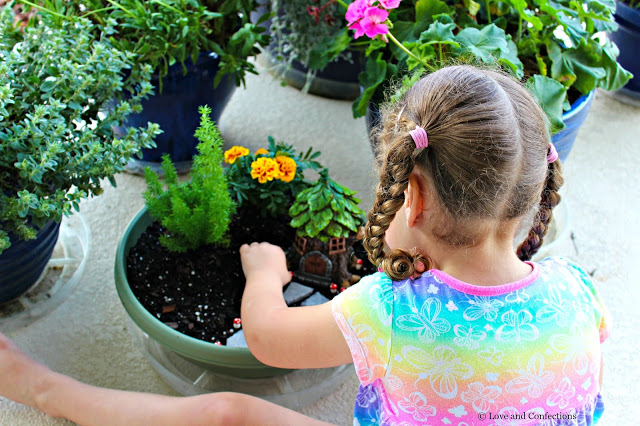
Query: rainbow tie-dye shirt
<point x="437" y="351"/>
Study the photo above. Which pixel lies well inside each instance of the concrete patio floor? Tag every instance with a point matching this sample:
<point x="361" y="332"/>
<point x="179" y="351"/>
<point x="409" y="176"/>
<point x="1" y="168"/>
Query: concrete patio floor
<point x="86" y="336"/>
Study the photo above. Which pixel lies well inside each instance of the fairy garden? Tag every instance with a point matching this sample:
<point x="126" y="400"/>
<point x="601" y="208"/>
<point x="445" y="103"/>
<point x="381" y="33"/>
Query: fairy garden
<point x="185" y="268"/>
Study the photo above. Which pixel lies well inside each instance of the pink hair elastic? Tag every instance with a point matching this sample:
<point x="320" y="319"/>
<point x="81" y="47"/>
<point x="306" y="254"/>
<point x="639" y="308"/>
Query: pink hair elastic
<point x="419" y="136"/>
<point x="552" y="154"/>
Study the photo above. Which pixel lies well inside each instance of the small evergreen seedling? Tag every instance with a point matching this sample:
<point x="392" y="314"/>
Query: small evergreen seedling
<point x="196" y="212"/>
<point x="326" y="209"/>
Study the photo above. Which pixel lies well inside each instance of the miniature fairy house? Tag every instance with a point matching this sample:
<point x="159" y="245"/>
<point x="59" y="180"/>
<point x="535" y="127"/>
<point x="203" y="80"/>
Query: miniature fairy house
<point x="327" y="217"/>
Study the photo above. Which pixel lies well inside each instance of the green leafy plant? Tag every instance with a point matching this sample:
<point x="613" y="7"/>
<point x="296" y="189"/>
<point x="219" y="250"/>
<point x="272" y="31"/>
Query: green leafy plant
<point x="326" y="209"/>
<point x="199" y="211"/>
<point x="554" y="45"/>
<point x="268" y="179"/>
<point x="308" y="32"/>
<point x="57" y="114"/>
<point x="635" y="4"/>
<point x="164" y="32"/>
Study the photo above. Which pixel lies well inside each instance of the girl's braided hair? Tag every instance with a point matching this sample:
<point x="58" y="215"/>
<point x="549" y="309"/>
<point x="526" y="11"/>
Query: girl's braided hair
<point x="486" y="161"/>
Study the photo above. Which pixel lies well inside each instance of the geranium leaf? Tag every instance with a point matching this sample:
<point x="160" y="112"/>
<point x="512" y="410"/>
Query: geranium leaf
<point x="550" y="95"/>
<point x="373" y="76"/>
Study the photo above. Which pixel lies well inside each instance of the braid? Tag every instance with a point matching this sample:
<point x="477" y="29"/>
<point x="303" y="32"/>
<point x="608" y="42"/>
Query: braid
<point x="549" y="199"/>
<point x="394" y="179"/>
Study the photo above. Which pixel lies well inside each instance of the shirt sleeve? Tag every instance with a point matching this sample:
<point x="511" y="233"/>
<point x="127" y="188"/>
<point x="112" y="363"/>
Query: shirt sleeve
<point x="602" y="315"/>
<point x="364" y="314"/>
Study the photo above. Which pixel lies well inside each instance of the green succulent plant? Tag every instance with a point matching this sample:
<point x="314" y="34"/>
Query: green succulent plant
<point x="325" y="210"/>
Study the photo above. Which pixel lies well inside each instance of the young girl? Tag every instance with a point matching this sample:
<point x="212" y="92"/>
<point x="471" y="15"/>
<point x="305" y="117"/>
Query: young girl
<point x="458" y="328"/>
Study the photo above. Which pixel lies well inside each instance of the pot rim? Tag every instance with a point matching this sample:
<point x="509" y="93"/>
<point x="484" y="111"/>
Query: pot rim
<point x="628" y="14"/>
<point x="579" y="105"/>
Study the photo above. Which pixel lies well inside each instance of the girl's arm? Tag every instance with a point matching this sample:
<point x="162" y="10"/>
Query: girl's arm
<point x="303" y="337"/>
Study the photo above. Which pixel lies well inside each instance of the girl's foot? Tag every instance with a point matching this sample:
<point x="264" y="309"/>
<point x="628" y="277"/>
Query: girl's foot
<point x="21" y="379"/>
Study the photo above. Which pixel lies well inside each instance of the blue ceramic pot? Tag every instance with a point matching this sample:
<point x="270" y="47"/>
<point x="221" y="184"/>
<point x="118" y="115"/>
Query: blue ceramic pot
<point x="627" y="38"/>
<point x="573" y="119"/>
<point x="23" y="262"/>
<point x="175" y="109"/>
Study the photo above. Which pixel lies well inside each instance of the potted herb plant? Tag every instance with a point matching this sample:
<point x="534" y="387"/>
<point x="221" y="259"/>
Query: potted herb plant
<point x="177" y="269"/>
<point x="199" y="50"/>
<point x="555" y="46"/>
<point x="307" y="50"/>
<point x="627" y="38"/>
<point x="56" y="134"/>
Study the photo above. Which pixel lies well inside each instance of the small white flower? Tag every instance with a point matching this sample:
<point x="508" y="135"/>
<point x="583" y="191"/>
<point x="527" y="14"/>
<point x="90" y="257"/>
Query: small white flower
<point x="451" y="306"/>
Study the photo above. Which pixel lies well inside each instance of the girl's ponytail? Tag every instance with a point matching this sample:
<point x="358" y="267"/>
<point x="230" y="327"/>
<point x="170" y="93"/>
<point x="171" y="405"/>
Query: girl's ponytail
<point x="549" y="199"/>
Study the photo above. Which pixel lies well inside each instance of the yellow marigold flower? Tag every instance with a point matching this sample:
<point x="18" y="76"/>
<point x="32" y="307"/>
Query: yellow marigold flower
<point x="265" y="169"/>
<point x="232" y="154"/>
<point x="262" y="151"/>
<point x="287" y="167"/>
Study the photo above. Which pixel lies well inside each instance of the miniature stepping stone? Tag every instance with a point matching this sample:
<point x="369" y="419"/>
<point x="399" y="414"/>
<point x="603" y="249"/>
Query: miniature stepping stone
<point x="296" y="292"/>
<point x="237" y="340"/>
<point x="316" y="299"/>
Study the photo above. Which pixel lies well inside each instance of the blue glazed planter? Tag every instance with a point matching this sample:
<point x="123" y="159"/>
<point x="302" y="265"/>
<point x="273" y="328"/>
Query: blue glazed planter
<point x="22" y="264"/>
<point x="573" y="119"/>
<point x="176" y="108"/>
<point x="627" y="38"/>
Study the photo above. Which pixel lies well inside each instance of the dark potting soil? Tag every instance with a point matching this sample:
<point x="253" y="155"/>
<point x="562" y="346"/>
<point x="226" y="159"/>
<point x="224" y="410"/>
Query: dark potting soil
<point x="199" y="293"/>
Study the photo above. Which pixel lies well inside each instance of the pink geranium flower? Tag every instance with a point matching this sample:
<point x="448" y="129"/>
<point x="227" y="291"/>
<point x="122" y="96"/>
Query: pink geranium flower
<point x="390" y="4"/>
<point x="355" y="11"/>
<point x="359" y="31"/>
<point x="372" y="22"/>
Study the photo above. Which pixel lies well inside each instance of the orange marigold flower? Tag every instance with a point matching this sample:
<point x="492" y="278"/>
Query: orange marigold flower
<point x="235" y="152"/>
<point x="261" y="151"/>
<point x="287" y="167"/>
<point x="265" y="169"/>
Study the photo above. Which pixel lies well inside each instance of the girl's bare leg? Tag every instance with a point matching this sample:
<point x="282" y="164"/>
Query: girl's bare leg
<point x="28" y="382"/>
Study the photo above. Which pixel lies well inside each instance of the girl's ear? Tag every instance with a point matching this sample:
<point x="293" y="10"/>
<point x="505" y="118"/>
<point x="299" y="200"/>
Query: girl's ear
<point x="414" y="200"/>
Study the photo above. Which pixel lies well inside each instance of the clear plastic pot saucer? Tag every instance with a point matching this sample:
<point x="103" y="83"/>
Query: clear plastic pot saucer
<point x="58" y="280"/>
<point x="294" y="390"/>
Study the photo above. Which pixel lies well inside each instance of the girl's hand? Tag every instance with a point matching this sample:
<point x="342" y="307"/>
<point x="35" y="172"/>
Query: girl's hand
<point x="261" y="260"/>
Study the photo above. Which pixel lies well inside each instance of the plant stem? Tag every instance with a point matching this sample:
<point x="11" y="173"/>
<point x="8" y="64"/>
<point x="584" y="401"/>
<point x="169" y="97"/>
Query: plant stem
<point x="167" y="6"/>
<point x="97" y="11"/>
<point x="404" y="49"/>
<point x="440" y="52"/>
<point x="519" y="29"/>
<point x="36" y="6"/>
<point x="342" y="3"/>
<point x="125" y="10"/>
<point x="486" y="4"/>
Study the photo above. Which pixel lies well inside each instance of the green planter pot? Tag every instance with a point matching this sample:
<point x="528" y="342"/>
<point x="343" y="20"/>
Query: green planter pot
<point x="236" y="362"/>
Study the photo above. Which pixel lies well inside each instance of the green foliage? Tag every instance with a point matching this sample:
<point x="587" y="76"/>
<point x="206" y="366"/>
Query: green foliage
<point x="433" y="40"/>
<point x="635" y="4"/>
<point x="299" y="37"/>
<point x="59" y="91"/>
<point x="196" y="212"/>
<point x="275" y="196"/>
<point x="326" y="209"/>
<point x="164" y="32"/>
<point x="555" y="41"/>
